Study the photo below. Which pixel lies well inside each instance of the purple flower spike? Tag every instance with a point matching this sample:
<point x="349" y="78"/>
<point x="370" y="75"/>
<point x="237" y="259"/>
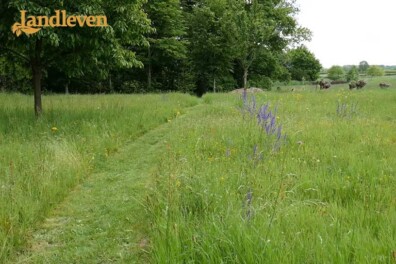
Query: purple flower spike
<point x="266" y="119"/>
<point x="228" y="152"/>
<point x="279" y="134"/>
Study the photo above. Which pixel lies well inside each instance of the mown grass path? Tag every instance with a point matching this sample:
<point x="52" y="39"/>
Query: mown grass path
<point x="101" y="220"/>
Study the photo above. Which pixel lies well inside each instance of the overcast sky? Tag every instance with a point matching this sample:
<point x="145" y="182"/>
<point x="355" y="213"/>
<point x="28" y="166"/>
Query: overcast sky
<point x="350" y="31"/>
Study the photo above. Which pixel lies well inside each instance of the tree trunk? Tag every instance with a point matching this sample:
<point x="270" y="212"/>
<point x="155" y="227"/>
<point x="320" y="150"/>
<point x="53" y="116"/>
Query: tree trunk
<point x="214" y="85"/>
<point x="67" y="87"/>
<point x="111" y="84"/>
<point x="245" y="76"/>
<point x="37" y="76"/>
<point x="149" y="70"/>
<point x="38" y="109"/>
<point x="2" y="84"/>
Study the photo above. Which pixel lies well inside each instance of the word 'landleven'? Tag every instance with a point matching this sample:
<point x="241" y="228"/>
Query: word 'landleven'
<point x="33" y="24"/>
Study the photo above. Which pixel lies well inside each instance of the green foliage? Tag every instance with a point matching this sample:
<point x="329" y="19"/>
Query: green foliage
<point x="81" y="51"/>
<point x="256" y="26"/>
<point x="226" y="83"/>
<point x="210" y="47"/>
<point x="336" y="73"/>
<point x="167" y="46"/>
<point x="96" y="46"/>
<point x="375" y="71"/>
<point x="268" y="65"/>
<point x="352" y="74"/>
<point x="131" y="87"/>
<point x="303" y="65"/>
<point x="261" y="82"/>
<point x="363" y="66"/>
<point x="13" y="76"/>
<point x="154" y="45"/>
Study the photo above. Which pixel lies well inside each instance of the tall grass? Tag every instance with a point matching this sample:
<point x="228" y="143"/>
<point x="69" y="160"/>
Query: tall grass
<point x="42" y="160"/>
<point x="221" y="189"/>
<point x="221" y="195"/>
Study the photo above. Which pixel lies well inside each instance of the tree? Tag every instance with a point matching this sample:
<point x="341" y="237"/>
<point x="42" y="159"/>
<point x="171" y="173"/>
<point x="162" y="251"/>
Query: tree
<point x="335" y="73"/>
<point x="167" y="44"/>
<point x="375" y="71"/>
<point x="352" y="74"/>
<point x="13" y="76"/>
<point x="261" y="25"/>
<point x="303" y="65"/>
<point x="154" y="45"/>
<point x="210" y="45"/>
<point x="75" y="51"/>
<point x="363" y="66"/>
<point x="268" y="67"/>
<point x="188" y="5"/>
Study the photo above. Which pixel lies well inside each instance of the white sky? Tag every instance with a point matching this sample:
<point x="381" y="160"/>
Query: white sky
<point x="350" y="31"/>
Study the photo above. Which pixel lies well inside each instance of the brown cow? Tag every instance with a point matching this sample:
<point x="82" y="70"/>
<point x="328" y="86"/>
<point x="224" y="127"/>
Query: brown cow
<point x="360" y="84"/>
<point x="384" y="85"/>
<point x="324" y="85"/>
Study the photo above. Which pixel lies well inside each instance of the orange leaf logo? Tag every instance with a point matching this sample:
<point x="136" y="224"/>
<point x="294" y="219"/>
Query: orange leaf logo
<point x="17" y="29"/>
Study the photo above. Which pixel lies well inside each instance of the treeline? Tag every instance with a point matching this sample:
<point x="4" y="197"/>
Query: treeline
<point x="156" y="45"/>
<point x="348" y="73"/>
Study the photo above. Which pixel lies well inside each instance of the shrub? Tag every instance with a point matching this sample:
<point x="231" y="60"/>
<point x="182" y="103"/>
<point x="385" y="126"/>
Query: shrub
<point x="262" y="82"/>
<point x="335" y="73"/>
<point x="353" y="74"/>
<point x="375" y="71"/>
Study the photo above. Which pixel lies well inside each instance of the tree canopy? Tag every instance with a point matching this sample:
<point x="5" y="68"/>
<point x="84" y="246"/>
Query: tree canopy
<point x="154" y="45"/>
<point x="375" y="71"/>
<point x="75" y="51"/>
<point x="363" y="66"/>
<point x="335" y="73"/>
<point x="303" y="65"/>
<point x="352" y="74"/>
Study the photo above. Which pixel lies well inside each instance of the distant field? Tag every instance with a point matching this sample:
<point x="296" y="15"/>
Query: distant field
<point x="390" y="72"/>
<point x="372" y="83"/>
<point x="215" y="187"/>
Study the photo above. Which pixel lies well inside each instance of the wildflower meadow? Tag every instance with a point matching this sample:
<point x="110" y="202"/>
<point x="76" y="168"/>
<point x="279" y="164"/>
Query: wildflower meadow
<point x="275" y="177"/>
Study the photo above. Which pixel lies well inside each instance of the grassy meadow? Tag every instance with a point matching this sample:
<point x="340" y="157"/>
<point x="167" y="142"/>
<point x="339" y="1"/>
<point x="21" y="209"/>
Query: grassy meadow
<point x="42" y="160"/>
<point x="176" y="179"/>
<point x="327" y="196"/>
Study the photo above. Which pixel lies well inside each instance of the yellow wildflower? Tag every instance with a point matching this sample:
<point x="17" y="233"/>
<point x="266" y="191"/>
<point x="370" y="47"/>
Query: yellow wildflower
<point x="178" y="183"/>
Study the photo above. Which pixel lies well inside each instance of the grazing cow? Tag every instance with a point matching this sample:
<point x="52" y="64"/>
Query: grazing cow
<point x="321" y="84"/>
<point x="360" y="84"/>
<point x="384" y="85"/>
<point x="352" y="85"/>
<point x="324" y="85"/>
